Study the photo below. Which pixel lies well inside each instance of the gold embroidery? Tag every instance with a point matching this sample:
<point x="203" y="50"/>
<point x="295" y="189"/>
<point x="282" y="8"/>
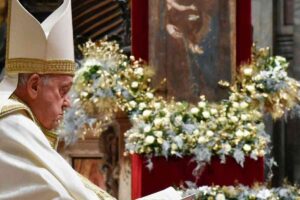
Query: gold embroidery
<point x="30" y="65"/>
<point x="91" y="186"/>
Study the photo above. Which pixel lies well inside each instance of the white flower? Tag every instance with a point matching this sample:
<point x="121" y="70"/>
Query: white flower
<point x="157" y="105"/>
<point x="248" y="71"/>
<point x="139" y="71"/>
<point x="201" y="140"/>
<point x="213" y="111"/>
<point x="134" y="84"/>
<point x="222" y="119"/>
<point x="132" y="103"/>
<point x="235" y="104"/>
<point x="246" y="133"/>
<point x="247" y="147"/>
<point x="160" y="140"/>
<point x="149" y="95"/>
<point x="209" y="133"/>
<point x="250" y="88"/>
<point x="142" y="106"/>
<point x="157" y="122"/>
<point x="264" y="194"/>
<point x="239" y="133"/>
<point x="174" y="146"/>
<point x="147" y="113"/>
<point x="227" y="147"/>
<point x="84" y="94"/>
<point x="244" y="117"/>
<point x="149" y="139"/>
<point x="165" y="121"/>
<point x="196" y="132"/>
<point x="201" y="104"/>
<point x="243" y="105"/>
<point x="158" y="134"/>
<point x="220" y="197"/>
<point x="147" y="129"/>
<point x="206" y="114"/>
<point x="234" y="119"/>
<point x="194" y="110"/>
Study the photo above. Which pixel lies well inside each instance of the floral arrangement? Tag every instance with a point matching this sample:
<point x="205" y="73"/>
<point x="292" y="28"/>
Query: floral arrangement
<point x="265" y="81"/>
<point x="109" y="80"/>
<point x="106" y="81"/>
<point x="285" y="192"/>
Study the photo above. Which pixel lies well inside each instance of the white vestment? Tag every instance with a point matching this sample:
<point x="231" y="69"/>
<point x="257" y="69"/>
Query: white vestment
<point x="30" y="168"/>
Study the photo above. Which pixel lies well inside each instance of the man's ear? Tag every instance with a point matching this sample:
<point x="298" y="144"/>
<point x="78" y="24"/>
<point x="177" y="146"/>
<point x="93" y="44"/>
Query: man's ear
<point x="32" y="85"/>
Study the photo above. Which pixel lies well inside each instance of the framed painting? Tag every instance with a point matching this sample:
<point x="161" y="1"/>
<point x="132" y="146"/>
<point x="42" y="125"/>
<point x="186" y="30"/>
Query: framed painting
<point x="193" y="45"/>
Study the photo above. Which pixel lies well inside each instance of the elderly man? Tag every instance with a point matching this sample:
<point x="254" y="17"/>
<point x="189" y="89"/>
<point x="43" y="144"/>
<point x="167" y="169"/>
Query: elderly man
<point x="33" y="95"/>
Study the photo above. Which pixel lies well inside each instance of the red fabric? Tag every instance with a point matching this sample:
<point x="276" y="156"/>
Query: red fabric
<point x="175" y="171"/>
<point x="243" y="32"/>
<point x="139" y="29"/>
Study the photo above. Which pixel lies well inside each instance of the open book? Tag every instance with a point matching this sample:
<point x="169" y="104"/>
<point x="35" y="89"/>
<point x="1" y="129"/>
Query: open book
<point x="167" y="194"/>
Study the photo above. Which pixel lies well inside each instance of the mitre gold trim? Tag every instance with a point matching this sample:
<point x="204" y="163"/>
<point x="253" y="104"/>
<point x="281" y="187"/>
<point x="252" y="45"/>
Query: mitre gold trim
<point x="30" y="65"/>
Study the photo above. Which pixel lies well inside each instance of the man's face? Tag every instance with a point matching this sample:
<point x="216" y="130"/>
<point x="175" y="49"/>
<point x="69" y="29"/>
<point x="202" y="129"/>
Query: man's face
<point x="51" y="100"/>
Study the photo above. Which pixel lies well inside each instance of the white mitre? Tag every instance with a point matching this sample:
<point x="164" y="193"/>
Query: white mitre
<point x="34" y="47"/>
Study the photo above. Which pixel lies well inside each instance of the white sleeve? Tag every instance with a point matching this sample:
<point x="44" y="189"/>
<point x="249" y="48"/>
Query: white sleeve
<point x="30" y="168"/>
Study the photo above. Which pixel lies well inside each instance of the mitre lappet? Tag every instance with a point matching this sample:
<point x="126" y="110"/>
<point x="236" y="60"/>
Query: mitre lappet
<point x="34" y="47"/>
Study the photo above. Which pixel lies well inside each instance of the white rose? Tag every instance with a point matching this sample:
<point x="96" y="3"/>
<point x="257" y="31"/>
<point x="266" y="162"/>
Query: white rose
<point x="165" y="121"/>
<point x="134" y="84"/>
<point x="173" y="146"/>
<point x="157" y="105"/>
<point x="157" y="122"/>
<point x="132" y="103"/>
<point x="147" y="113"/>
<point x="220" y="197"/>
<point x="248" y="71"/>
<point x="142" y="106"/>
<point x="264" y="194"/>
<point x="160" y="140"/>
<point x="206" y="114"/>
<point x="239" y="133"/>
<point x="139" y="71"/>
<point x="149" y="95"/>
<point x="201" y="140"/>
<point x="243" y="105"/>
<point x="213" y="111"/>
<point x="250" y="88"/>
<point x="222" y="119"/>
<point x="234" y="119"/>
<point x="201" y="104"/>
<point x="244" y="117"/>
<point x="194" y="110"/>
<point x="227" y="147"/>
<point x="209" y="133"/>
<point x="235" y="104"/>
<point x="147" y="129"/>
<point x="196" y="132"/>
<point x="247" y="147"/>
<point x="158" y="134"/>
<point x="246" y="133"/>
<point x="149" y="139"/>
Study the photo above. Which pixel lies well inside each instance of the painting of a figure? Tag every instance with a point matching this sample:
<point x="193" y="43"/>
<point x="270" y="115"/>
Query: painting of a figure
<point x="192" y="44"/>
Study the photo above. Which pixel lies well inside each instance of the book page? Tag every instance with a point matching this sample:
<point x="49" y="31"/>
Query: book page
<point x="167" y="194"/>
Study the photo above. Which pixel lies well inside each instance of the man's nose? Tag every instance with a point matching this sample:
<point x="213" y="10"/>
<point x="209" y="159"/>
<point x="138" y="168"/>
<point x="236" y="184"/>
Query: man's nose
<point x="67" y="102"/>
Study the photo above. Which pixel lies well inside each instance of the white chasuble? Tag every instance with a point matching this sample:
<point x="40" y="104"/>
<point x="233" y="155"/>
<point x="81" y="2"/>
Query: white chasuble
<point x="31" y="169"/>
